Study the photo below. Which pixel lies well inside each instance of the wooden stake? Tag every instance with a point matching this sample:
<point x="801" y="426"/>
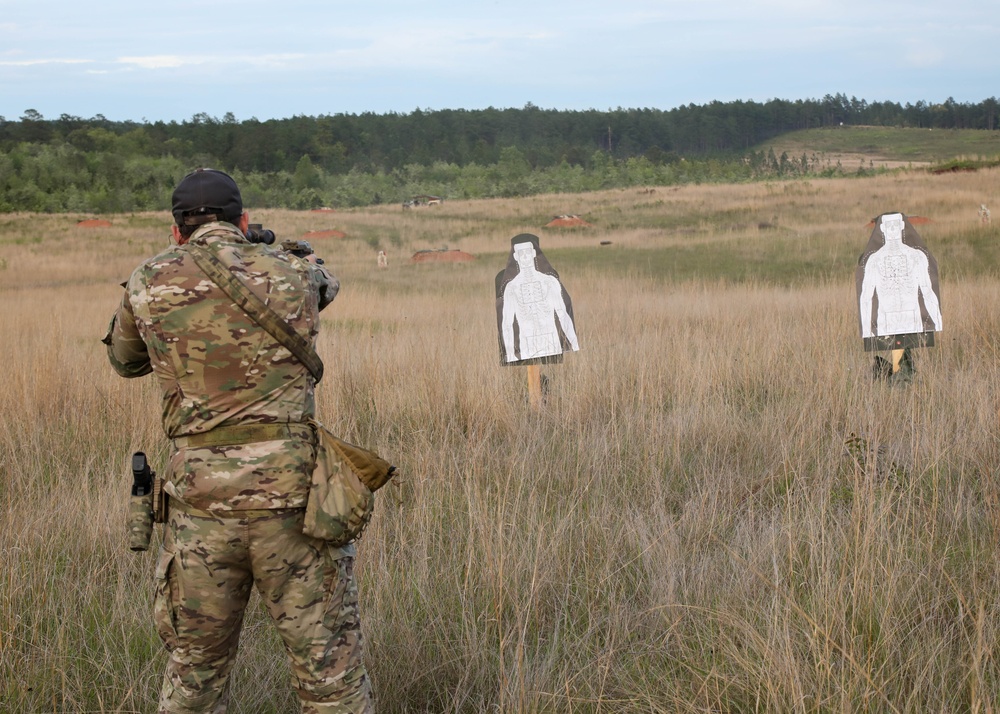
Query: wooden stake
<point x="535" y="385"/>
<point x="897" y="355"/>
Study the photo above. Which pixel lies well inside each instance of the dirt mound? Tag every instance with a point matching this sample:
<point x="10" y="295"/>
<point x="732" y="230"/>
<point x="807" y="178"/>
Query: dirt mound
<point x="324" y="234"/>
<point x="568" y="221"/>
<point x="94" y="223"/>
<point x="441" y="256"/>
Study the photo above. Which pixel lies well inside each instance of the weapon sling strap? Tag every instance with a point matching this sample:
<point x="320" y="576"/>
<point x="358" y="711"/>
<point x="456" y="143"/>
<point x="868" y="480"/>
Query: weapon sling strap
<point x="257" y="309"/>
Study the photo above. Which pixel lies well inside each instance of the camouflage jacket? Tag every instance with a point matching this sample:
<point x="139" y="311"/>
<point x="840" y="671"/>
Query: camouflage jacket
<point x="217" y="368"/>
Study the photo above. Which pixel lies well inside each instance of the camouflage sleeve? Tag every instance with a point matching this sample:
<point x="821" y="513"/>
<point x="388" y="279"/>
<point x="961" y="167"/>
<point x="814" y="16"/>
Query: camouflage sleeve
<point x="328" y="285"/>
<point x="126" y="350"/>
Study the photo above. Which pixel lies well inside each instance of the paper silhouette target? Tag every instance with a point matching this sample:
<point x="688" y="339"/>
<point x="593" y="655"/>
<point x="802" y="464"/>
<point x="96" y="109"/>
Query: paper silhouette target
<point x="899" y="303"/>
<point x="534" y="312"/>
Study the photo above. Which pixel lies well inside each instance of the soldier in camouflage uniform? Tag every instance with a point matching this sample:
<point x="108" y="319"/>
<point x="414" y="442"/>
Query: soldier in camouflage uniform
<point x="234" y="405"/>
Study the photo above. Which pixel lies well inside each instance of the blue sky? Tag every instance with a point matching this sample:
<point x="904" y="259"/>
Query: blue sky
<point x="150" y="61"/>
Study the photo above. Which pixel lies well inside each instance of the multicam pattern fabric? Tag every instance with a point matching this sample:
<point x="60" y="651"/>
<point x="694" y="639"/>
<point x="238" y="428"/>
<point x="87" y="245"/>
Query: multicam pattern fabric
<point x="217" y="368"/>
<point x="236" y="405"/>
<point x="140" y="521"/>
<point x="207" y="567"/>
<point x="262" y="474"/>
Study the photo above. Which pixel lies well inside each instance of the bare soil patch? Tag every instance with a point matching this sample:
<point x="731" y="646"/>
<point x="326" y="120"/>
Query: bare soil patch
<point x="325" y="234"/>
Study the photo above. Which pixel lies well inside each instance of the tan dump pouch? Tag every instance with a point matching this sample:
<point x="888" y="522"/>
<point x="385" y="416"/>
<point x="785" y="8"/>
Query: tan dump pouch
<point x="341" y="500"/>
<point x="373" y="471"/>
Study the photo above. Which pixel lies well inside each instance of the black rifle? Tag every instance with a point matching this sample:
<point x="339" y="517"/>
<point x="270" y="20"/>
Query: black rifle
<point x="256" y="233"/>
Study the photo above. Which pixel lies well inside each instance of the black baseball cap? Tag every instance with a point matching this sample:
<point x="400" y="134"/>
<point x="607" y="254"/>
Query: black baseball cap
<point x="206" y="195"/>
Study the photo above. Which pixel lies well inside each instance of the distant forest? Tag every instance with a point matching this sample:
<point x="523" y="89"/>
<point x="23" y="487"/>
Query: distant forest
<point x="98" y="165"/>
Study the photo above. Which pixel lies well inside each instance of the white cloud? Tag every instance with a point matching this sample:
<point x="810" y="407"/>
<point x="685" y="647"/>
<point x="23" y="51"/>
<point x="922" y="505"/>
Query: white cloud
<point x="924" y="57"/>
<point x="448" y="47"/>
<point x="158" y="61"/>
<point x="32" y="62"/>
<point x="272" y="61"/>
<point x="276" y="61"/>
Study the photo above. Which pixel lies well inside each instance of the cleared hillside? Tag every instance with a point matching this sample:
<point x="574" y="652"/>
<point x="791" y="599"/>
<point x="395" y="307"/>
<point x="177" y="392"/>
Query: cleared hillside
<point x="886" y="147"/>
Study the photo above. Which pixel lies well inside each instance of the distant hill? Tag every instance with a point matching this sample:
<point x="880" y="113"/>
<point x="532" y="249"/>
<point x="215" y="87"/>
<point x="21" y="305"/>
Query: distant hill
<point x="886" y="147"/>
<point x="344" y="160"/>
<point x="338" y="144"/>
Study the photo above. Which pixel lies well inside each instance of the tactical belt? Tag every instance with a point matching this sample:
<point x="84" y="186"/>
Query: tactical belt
<point x="178" y="505"/>
<point x="245" y="434"/>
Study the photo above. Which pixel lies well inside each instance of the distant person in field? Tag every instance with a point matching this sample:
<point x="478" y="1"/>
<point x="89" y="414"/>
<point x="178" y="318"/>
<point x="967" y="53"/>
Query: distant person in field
<point x="897" y="277"/>
<point x="236" y="406"/>
<point x="383" y="259"/>
<point x="536" y="301"/>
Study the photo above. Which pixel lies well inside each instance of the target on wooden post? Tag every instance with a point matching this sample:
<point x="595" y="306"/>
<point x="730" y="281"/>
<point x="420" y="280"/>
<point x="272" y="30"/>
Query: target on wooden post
<point x="899" y="304"/>
<point x="534" y="312"/>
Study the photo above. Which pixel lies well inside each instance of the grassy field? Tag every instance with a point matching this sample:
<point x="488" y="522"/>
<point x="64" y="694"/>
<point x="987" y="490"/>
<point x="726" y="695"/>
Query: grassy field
<point x="887" y="147"/>
<point x="716" y="509"/>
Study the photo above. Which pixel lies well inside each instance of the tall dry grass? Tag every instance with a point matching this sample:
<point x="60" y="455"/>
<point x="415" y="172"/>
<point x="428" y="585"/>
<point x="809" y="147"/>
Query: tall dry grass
<point x="686" y="525"/>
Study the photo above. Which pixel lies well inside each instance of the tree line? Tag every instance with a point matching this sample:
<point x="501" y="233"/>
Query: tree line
<point x="99" y="165"/>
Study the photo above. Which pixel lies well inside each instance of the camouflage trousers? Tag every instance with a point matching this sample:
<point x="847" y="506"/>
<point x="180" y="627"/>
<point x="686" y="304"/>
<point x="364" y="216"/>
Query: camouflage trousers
<point x="206" y="569"/>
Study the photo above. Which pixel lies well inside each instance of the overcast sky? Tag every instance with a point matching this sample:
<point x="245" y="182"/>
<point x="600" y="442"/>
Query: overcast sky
<point x="137" y="60"/>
